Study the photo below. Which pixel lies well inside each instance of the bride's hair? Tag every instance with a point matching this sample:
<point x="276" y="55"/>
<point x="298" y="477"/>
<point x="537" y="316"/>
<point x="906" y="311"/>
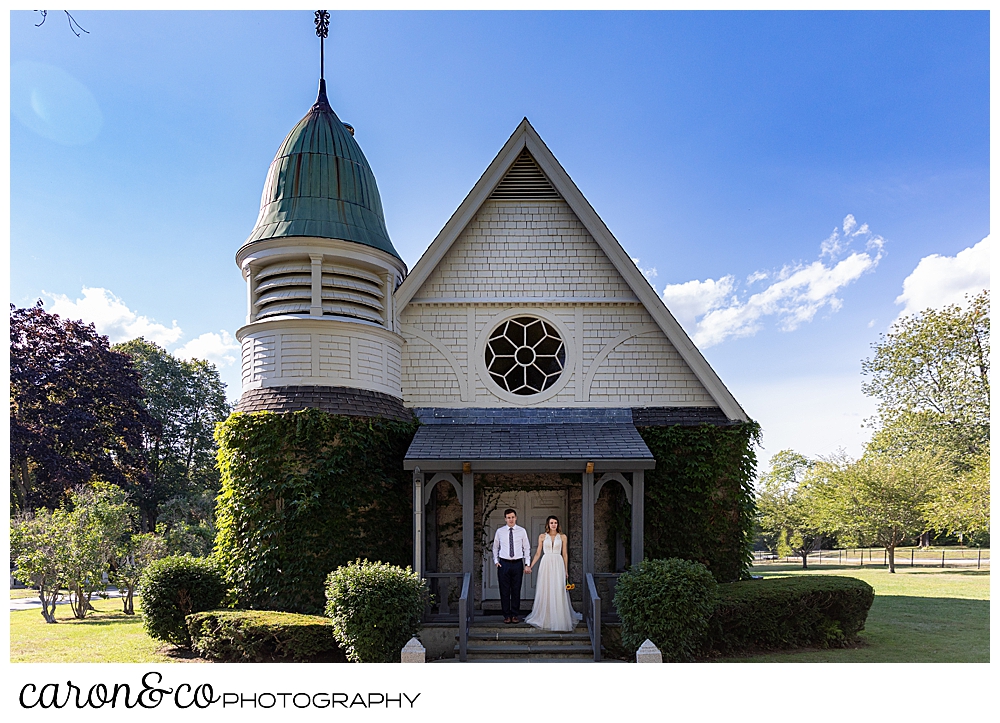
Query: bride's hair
<point x="558" y="526"/>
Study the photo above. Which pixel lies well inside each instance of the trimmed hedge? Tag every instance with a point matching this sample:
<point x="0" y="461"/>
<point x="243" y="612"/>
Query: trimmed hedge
<point x="700" y="497"/>
<point x="303" y="493"/>
<point x="376" y="608"/>
<point x="669" y="602"/>
<point x="174" y="587"/>
<point x="257" y="636"/>
<point x="788" y="612"/>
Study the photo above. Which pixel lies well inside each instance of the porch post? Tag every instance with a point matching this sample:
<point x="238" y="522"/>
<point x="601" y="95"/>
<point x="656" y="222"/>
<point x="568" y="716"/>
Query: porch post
<point x="588" y="521"/>
<point x="468" y="526"/>
<point x="638" y="485"/>
<point x="418" y="521"/>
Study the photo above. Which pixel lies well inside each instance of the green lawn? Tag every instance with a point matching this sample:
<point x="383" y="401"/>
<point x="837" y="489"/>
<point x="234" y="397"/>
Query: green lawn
<point x="22" y="593"/>
<point x="920" y="615"/>
<point x="104" y="636"/>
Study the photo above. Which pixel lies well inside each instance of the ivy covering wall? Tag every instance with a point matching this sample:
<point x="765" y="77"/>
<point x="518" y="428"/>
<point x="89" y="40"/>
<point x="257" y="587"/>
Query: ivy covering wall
<point x="700" y="498"/>
<point x="303" y="493"/>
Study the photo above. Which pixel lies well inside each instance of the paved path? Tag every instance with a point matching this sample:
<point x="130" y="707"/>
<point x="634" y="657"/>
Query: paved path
<point x="32" y="603"/>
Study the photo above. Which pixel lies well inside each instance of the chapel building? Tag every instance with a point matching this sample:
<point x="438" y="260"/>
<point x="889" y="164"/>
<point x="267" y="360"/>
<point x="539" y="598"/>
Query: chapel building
<point x="524" y="340"/>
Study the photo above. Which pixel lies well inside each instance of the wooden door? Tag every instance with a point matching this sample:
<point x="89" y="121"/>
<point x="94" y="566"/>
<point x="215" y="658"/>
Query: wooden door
<point x="532" y="509"/>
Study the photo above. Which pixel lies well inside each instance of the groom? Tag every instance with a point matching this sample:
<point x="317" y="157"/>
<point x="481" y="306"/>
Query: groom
<point x="512" y="556"/>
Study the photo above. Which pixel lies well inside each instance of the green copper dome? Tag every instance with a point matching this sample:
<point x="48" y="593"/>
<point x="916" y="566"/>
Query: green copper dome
<point x="320" y="184"/>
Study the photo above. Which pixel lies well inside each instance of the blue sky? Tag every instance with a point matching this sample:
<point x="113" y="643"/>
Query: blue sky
<point x="784" y="173"/>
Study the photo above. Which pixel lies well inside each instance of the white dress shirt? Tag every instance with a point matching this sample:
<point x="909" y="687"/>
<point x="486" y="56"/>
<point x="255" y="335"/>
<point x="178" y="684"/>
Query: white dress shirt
<point x="501" y="545"/>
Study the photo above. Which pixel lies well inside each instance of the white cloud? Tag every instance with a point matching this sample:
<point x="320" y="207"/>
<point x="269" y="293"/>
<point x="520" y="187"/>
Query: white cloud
<point x="220" y="349"/>
<point x="649" y="272"/>
<point x="939" y="281"/>
<point x="112" y="317"/>
<point x="706" y="309"/>
<point x="695" y="298"/>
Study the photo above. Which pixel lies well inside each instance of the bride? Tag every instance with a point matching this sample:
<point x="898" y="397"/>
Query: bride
<point x="552" y="609"/>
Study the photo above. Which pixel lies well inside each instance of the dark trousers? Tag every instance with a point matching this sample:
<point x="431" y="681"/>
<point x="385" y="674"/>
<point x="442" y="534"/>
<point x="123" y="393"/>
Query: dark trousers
<point x="509" y="576"/>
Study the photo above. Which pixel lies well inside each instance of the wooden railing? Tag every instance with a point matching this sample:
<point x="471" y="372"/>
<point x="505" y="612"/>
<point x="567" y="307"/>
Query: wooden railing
<point x="464" y="616"/>
<point x="612" y="580"/>
<point x="440" y="585"/>
<point x="592" y="614"/>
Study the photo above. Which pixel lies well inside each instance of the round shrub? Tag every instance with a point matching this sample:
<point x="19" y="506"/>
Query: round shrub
<point x="174" y="587"/>
<point x="376" y="608"/>
<point x="669" y="602"/>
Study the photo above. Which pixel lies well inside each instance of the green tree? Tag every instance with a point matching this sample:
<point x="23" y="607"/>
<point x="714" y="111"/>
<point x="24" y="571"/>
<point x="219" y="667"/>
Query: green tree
<point x="187" y="524"/>
<point x="134" y="557"/>
<point x="72" y="547"/>
<point x="99" y="526"/>
<point x="879" y="499"/>
<point x="930" y="374"/>
<point x="38" y="546"/>
<point x="784" y="505"/>
<point x="960" y="505"/>
<point x="187" y="398"/>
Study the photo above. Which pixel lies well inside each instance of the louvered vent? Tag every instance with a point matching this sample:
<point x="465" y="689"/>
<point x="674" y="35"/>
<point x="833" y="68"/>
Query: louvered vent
<point x="286" y="288"/>
<point x="524" y="181"/>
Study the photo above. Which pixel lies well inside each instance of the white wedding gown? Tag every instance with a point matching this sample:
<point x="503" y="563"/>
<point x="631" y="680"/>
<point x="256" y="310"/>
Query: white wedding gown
<point x="551" y="609"/>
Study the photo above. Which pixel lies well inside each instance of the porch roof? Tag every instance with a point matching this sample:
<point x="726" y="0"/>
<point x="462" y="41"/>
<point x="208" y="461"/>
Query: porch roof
<point x="547" y="441"/>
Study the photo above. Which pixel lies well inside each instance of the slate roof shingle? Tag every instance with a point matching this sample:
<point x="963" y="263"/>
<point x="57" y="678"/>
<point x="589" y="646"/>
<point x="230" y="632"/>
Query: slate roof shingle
<point x="334" y="400"/>
<point x="527" y="441"/>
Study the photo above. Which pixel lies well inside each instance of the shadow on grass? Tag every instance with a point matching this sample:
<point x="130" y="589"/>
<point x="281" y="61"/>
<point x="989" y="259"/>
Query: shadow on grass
<point x="104" y="619"/>
<point x="181" y="655"/>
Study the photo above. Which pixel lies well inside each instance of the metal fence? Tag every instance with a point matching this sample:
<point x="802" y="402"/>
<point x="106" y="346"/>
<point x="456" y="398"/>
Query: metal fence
<point x="959" y="557"/>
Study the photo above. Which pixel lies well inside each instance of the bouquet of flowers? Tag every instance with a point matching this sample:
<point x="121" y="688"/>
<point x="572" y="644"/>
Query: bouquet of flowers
<point x="570" y="586"/>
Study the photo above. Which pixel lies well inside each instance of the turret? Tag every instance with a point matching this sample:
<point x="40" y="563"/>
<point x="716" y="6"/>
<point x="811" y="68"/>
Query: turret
<point x="320" y="273"/>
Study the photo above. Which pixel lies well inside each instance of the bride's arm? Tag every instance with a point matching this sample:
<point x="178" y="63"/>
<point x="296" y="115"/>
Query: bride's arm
<point x="565" y="555"/>
<point x="538" y="552"/>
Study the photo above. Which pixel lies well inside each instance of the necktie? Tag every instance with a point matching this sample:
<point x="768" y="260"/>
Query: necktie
<point x="512" y="543"/>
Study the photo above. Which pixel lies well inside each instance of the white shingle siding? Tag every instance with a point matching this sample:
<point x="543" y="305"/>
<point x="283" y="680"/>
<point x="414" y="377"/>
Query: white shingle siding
<point x="323" y="359"/>
<point x="510" y="254"/>
<point x="258" y="358"/>
<point x="334" y="355"/>
<point x="501" y="252"/>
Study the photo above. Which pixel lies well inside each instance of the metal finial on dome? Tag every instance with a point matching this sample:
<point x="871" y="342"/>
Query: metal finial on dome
<point x="322" y="21"/>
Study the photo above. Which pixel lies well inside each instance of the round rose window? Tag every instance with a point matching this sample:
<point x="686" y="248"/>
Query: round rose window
<point x="525" y="355"/>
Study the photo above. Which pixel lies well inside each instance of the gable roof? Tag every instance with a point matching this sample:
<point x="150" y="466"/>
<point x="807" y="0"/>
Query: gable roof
<point x="526" y="138"/>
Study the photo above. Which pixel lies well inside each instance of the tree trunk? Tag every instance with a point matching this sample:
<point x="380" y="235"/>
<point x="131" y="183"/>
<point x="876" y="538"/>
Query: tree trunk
<point x="128" y="598"/>
<point x="805" y="555"/>
<point x="21" y="482"/>
<point x="892" y="558"/>
<point x="48" y="604"/>
<point x="78" y="602"/>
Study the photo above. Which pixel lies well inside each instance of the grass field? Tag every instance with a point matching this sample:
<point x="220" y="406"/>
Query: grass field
<point x="920" y="615"/>
<point x="105" y="636"/>
<point x="22" y="593"/>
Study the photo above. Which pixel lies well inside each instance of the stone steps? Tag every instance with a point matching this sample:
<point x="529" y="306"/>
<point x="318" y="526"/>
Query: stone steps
<point x="500" y="635"/>
<point x="494" y="640"/>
